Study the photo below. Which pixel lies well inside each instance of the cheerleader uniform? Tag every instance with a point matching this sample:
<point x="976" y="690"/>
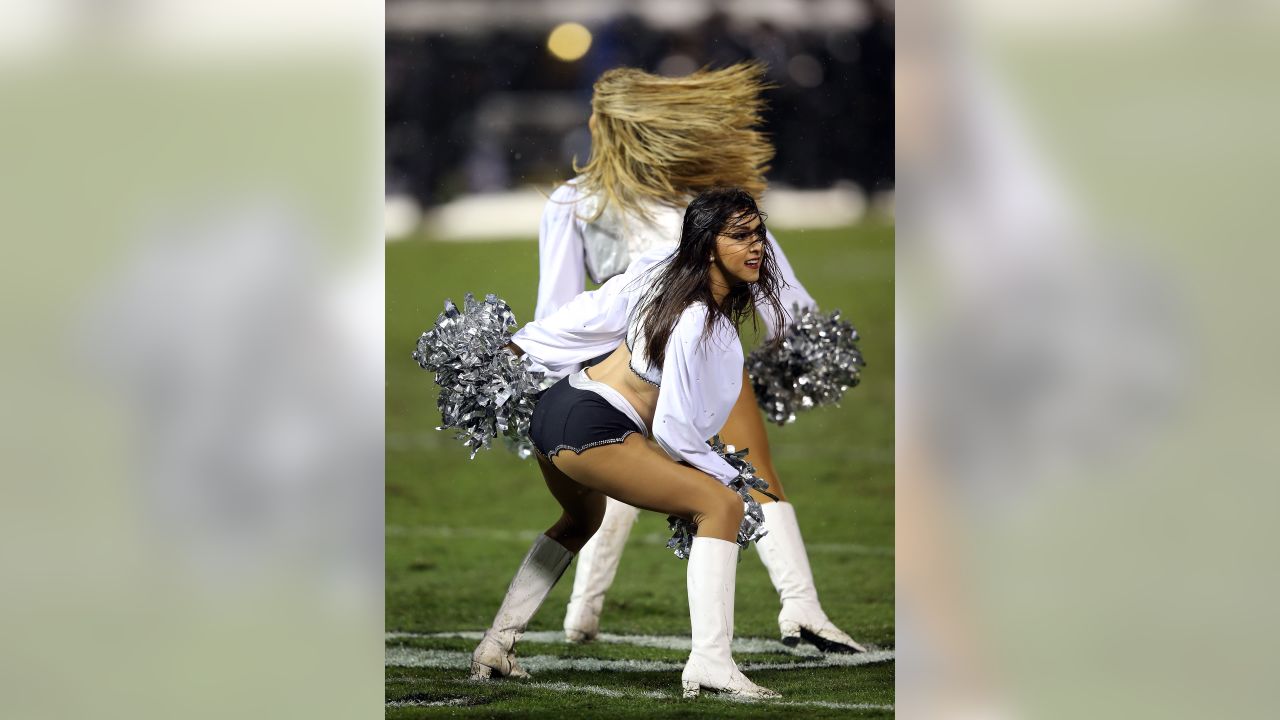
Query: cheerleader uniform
<point x="699" y="382"/>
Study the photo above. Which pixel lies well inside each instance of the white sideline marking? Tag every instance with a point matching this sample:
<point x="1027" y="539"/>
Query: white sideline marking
<point x="661" y="642"/>
<point x="422" y="657"/>
<point x="835" y="705"/>
<point x="597" y="690"/>
<point x="475" y="533"/>
<point x="564" y="687"/>
<point x="870" y="657"/>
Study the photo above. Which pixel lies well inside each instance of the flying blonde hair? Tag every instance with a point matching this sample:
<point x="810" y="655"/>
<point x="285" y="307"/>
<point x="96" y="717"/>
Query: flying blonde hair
<point x="663" y="139"/>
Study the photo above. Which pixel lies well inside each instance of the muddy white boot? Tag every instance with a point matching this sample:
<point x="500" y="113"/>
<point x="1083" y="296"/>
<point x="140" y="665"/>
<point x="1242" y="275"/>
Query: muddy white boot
<point x="782" y="552"/>
<point x="712" y="575"/>
<point x="597" y="564"/>
<point x="538" y="573"/>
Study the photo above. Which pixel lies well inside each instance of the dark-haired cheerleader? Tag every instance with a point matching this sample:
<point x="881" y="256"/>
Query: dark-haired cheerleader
<point x="634" y="427"/>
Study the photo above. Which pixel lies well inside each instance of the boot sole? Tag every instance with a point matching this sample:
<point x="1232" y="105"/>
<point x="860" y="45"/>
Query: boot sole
<point x="484" y="672"/>
<point x="820" y="642"/>
<point x="693" y="689"/>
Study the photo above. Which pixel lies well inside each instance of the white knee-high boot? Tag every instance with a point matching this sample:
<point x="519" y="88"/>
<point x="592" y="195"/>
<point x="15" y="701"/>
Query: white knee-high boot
<point x="782" y="552"/>
<point x="542" y="567"/>
<point x="712" y="577"/>
<point x="597" y="564"/>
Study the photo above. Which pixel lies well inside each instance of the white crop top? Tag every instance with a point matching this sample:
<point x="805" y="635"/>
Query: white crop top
<point x="636" y="345"/>
<point x="701" y="375"/>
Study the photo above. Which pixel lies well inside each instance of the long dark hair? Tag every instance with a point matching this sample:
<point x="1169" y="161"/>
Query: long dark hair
<point x="686" y="278"/>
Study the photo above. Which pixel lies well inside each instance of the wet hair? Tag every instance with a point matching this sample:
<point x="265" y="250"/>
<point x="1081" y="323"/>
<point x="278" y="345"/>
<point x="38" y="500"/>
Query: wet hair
<point x="686" y="278"/>
<point x="664" y="139"/>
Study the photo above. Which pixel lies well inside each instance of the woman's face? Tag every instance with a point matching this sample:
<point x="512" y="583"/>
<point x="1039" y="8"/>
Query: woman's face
<point x="740" y="249"/>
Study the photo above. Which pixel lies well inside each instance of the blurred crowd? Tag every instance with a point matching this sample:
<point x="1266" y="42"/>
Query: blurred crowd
<point x="492" y="109"/>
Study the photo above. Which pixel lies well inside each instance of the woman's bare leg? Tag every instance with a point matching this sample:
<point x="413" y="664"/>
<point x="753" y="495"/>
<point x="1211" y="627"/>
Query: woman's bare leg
<point x="598" y="560"/>
<point x="537" y="574"/>
<point x="745" y="429"/>
<point x="583" y="508"/>
<point x="639" y="474"/>
<point x="635" y="473"/>
<point x="595" y="569"/>
<point x="597" y="565"/>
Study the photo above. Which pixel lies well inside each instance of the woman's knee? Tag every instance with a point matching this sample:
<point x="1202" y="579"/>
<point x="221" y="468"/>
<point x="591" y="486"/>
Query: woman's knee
<point x="574" y="532"/>
<point x="723" y="505"/>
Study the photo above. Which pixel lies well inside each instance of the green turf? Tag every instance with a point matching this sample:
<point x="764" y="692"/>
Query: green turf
<point x="837" y="464"/>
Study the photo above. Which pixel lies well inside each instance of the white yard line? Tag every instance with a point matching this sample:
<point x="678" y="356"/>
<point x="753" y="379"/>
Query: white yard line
<point x="661" y="642"/>
<point x="428" y="658"/>
<point x="420" y="657"/>
<point x="499" y="535"/>
<point x="597" y="690"/>
<point x="836" y="705"/>
<point x="428" y="703"/>
<point x="830" y="660"/>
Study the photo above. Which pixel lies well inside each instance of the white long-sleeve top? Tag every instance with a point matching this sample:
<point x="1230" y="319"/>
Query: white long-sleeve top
<point x="568" y="246"/>
<point x="701" y="375"/>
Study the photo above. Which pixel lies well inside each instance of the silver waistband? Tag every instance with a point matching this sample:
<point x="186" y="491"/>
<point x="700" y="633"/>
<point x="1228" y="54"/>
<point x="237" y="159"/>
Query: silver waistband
<point x="580" y="381"/>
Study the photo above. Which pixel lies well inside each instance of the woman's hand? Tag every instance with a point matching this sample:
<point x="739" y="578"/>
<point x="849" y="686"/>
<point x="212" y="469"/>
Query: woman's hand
<point x="515" y="349"/>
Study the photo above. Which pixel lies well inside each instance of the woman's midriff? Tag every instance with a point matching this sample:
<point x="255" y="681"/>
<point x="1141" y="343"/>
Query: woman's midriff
<point x="615" y="371"/>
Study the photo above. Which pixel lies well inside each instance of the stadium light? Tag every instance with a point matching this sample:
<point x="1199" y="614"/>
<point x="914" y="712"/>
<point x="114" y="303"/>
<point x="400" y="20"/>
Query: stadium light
<point x="569" y="41"/>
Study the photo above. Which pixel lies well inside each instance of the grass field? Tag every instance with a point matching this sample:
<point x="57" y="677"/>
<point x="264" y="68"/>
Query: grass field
<point x="457" y="528"/>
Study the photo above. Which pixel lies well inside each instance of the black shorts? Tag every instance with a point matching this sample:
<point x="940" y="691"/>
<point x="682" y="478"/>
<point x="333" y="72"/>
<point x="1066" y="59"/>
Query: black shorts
<point x="568" y="418"/>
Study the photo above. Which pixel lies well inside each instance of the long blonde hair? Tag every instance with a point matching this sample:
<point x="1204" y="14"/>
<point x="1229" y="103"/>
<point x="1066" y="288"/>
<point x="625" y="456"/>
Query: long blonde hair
<point x="662" y="139"/>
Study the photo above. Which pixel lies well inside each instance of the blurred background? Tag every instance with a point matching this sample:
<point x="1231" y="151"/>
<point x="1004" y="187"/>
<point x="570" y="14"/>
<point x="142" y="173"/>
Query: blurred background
<point x="493" y="97"/>
<point x="1080" y="514"/>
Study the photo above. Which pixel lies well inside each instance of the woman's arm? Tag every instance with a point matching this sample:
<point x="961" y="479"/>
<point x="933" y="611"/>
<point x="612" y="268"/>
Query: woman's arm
<point x="589" y="325"/>
<point x="701" y="379"/>
<point x="561" y="272"/>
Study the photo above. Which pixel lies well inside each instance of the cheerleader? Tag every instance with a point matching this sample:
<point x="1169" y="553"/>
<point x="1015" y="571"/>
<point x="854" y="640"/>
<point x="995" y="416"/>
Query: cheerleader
<point x="657" y="141"/>
<point x="634" y="427"/>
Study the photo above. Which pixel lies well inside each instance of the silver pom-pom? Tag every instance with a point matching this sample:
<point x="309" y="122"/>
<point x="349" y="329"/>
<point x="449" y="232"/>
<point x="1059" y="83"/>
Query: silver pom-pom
<point x="485" y="391"/>
<point x="752" y="528"/>
<point x="816" y="362"/>
<point x="521" y="447"/>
